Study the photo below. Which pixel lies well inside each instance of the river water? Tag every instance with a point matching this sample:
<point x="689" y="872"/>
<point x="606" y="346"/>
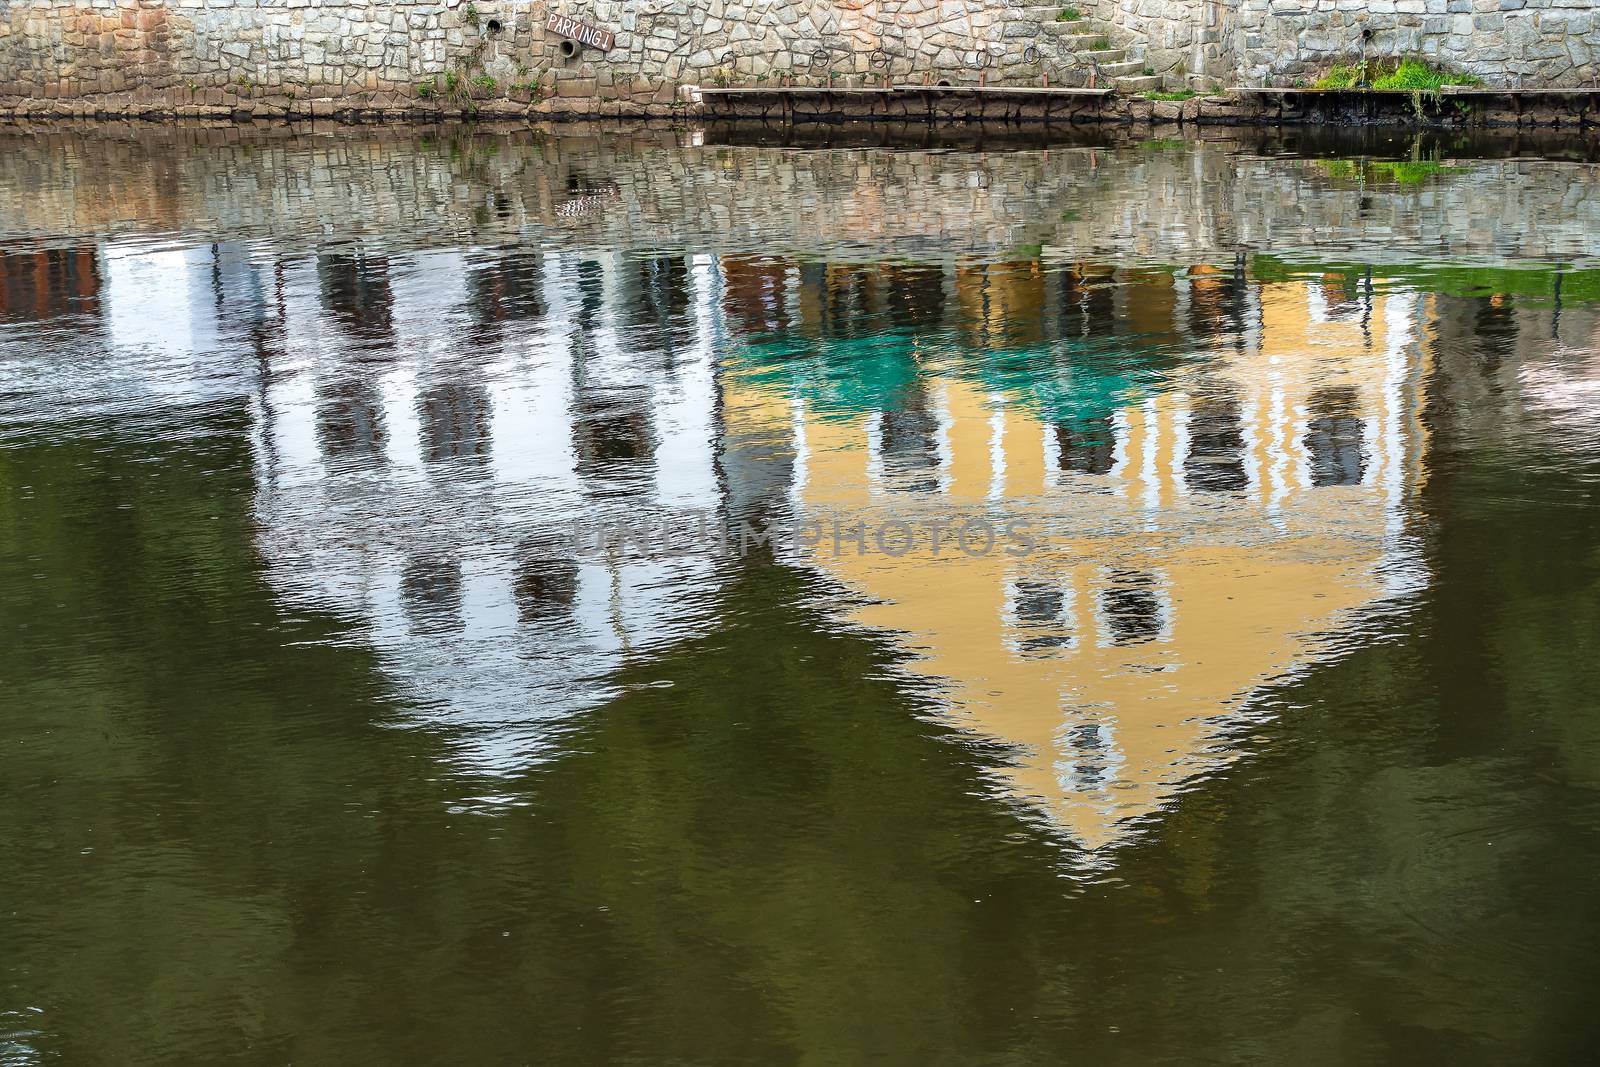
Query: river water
<point x="653" y="596"/>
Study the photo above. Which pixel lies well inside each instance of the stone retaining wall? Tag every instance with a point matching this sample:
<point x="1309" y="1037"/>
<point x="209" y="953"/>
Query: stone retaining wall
<point x="290" y="57"/>
<point x="160" y="54"/>
<point x="1507" y="43"/>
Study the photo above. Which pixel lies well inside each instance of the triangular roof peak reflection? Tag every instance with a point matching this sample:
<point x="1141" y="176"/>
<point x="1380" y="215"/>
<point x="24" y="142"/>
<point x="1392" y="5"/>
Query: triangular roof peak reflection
<point x="1194" y="537"/>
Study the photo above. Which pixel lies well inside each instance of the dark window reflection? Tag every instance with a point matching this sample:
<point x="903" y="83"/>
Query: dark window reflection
<point x="1333" y="438"/>
<point x="350" y="423"/>
<point x="1002" y="304"/>
<point x="1087" y="446"/>
<point x="509" y="289"/>
<point x="1151" y="308"/>
<point x="660" y="291"/>
<point x="430" y="587"/>
<point x="579" y="183"/>
<point x="356" y="289"/>
<point x="758" y="470"/>
<point x="240" y="294"/>
<point x="754" y="293"/>
<point x="657" y="309"/>
<point x="1090" y="746"/>
<point x="1218" y="299"/>
<point x="1342" y="295"/>
<point x="1215" y="463"/>
<point x="915" y="296"/>
<point x="909" y="443"/>
<point x="591" y="280"/>
<point x="1496" y="331"/>
<point x="1041" y="612"/>
<point x="546" y="587"/>
<point x="1039" y="602"/>
<point x="455" y="422"/>
<point x="834" y="300"/>
<point x="49" y="282"/>
<point x="613" y="436"/>
<point x="1088" y="301"/>
<point x="1131" y="606"/>
<point x="814" y="302"/>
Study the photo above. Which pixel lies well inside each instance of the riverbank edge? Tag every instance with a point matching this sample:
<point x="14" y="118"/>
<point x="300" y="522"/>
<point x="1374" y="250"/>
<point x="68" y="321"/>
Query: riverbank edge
<point x="1559" y="109"/>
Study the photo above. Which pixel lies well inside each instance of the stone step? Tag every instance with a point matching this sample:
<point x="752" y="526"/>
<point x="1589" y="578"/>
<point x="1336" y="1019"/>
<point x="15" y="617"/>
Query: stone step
<point x="1073" y="30"/>
<point x="1102" y="58"/>
<point x="1135" y="84"/>
<point x="1125" y="69"/>
<point x="1088" y="46"/>
<point x="1081" y="40"/>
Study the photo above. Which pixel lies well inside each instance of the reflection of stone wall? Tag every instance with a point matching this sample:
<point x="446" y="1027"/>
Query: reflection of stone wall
<point x="1149" y="205"/>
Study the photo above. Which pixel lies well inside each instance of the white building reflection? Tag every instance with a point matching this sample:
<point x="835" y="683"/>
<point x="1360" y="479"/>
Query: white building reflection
<point x="428" y="435"/>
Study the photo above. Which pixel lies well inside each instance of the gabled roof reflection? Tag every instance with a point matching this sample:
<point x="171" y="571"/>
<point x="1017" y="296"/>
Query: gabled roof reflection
<point x="427" y="495"/>
<point x="1216" y="475"/>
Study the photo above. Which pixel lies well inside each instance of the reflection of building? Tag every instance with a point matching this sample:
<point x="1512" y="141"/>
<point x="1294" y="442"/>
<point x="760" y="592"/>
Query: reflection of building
<point x="1502" y="357"/>
<point x="43" y="283"/>
<point x="1216" y="468"/>
<point x="1193" y="543"/>
<point x="167" y="300"/>
<point x="430" y="495"/>
<point x="130" y="328"/>
<point x="1002" y="303"/>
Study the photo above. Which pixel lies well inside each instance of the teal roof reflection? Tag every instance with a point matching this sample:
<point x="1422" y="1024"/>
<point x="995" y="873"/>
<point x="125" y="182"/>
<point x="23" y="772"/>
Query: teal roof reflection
<point x="1062" y="381"/>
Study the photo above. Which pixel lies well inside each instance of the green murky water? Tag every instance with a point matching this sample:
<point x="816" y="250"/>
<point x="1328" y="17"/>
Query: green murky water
<point x="478" y="597"/>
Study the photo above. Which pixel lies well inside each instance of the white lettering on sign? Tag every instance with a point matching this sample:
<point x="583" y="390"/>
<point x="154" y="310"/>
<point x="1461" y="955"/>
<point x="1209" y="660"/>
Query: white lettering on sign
<point x="574" y="30"/>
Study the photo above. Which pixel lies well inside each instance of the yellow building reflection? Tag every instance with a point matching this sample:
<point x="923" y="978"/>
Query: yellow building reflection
<point x="1192" y="545"/>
